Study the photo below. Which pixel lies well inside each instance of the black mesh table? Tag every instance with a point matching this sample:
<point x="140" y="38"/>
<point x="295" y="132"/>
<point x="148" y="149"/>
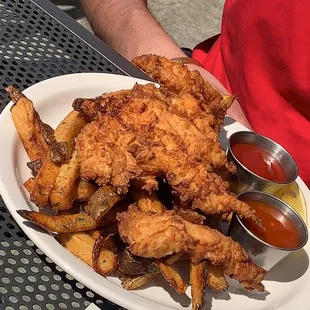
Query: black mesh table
<point x="39" y="41"/>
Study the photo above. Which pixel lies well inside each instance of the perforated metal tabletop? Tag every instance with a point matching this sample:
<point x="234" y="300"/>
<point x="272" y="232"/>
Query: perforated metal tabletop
<point x="38" y="41"/>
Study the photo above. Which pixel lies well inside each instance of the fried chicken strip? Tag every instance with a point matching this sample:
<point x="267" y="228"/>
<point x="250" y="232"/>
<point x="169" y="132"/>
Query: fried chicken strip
<point x="178" y="79"/>
<point x="156" y="236"/>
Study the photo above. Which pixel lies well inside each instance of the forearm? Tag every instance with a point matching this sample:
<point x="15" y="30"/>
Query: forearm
<point x="129" y="28"/>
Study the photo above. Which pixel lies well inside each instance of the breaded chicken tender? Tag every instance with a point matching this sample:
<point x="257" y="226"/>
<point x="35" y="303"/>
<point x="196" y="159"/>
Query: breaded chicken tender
<point x="156" y="236"/>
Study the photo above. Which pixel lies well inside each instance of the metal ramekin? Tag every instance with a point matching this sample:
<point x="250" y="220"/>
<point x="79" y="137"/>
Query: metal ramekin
<point x="245" y="179"/>
<point x="262" y="253"/>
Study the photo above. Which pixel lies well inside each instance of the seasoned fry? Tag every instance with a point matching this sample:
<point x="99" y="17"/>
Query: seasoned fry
<point x="215" y="278"/>
<point x="108" y="244"/>
<point x="133" y="283"/>
<point x="28" y="184"/>
<point x="198" y="285"/>
<point x="82" y="244"/>
<point x="131" y="265"/>
<point x="28" y="125"/>
<point x="66" y="131"/>
<point x="102" y="201"/>
<point x="64" y="223"/>
<point x="58" y="150"/>
<point x="65" y="185"/>
<point x="95" y="233"/>
<point x="173" y="277"/>
<point x="174" y="258"/>
<point x="43" y="184"/>
<point x="84" y="190"/>
<point x="35" y="166"/>
<point x="105" y="235"/>
<point x="148" y="203"/>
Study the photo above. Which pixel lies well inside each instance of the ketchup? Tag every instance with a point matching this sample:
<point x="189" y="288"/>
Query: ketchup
<point x="259" y="161"/>
<point x="278" y="229"/>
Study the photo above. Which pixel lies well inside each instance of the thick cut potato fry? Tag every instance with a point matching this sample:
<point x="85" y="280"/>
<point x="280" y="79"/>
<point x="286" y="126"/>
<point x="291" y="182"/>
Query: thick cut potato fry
<point x="173" y="277"/>
<point x="84" y="190"/>
<point x="215" y="278"/>
<point x="174" y="258"/>
<point x="28" y="125"/>
<point x="43" y="184"/>
<point x="100" y="203"/>
<point x="108" y="244"/>
<point x="64" y="223"/>
<point x="198" y="285"/>
<point x="133" y="283"/>
<point x="28" y="184"/>
<point x="66" y="131"/>
<point x="65" y="185"/>
<point x="81" y="245"/>
<point x="147" y="203"/>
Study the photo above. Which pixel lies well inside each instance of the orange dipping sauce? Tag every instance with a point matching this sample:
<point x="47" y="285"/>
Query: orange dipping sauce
<point x="279" y="230"/>
<point x="259" y="161"/>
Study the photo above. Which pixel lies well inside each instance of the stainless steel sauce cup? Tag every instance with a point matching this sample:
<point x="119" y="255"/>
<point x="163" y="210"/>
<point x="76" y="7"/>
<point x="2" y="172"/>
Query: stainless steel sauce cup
<point x="245" y="179"/>
<point x="262" y="253"/>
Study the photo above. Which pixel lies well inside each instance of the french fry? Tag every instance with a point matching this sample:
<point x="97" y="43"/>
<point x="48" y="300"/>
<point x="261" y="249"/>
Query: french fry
<point x="147" y="203"/>
<point x="28" y="184"/>
<point x="85" y="190"/>
<point x="81" y="245"/>
<point x="108" y="244"/>
<point x="43" y="184"/>
<point x="28" y="125"/>
<point x="174" y="258"/>
<point x="65" y="185"/>
<point x="66" y="131"/>
<point x="95" y="233"/>
<point x="102" y="201"/>
<point x="133" y="283"/>
<point x="64" y="223"/>
<point x="198" y="285"/>
<point x="105" y="235"/>
<point x="173" y="277"/>
<point x="215" y="278"/>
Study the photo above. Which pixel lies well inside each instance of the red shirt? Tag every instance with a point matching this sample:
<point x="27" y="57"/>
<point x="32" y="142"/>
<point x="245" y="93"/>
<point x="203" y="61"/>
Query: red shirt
<point x="263" y="56"/>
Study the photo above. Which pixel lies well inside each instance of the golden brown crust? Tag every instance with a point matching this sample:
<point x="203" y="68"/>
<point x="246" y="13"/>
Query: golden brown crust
<point x="160" y="235"/>
<point x="155" y="142"/>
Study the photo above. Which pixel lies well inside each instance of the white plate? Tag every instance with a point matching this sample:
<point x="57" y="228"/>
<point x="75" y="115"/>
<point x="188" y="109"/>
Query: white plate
<point x="288" y="284"/>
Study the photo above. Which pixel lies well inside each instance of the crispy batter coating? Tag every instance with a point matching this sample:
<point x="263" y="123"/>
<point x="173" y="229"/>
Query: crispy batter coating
<point x="156" y="236"/>
<point x="178" y="79"/>
<point x="153" y="132"/>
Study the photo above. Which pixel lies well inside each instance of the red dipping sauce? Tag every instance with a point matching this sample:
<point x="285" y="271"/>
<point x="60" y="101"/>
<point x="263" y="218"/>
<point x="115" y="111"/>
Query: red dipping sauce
<point x="259" y="161"/>
<point x="279" y="230"/>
